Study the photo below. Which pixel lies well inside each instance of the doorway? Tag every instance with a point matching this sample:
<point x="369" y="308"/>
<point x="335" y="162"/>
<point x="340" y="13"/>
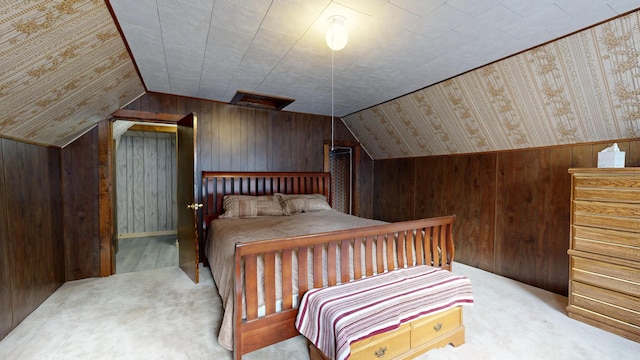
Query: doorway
<point x="342" y="161"/>
<point x="145" y="171"/>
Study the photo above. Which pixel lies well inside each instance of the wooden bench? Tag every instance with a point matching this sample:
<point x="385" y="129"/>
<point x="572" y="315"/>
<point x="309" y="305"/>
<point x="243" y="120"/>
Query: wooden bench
<point x="409" y="340"/>
<point x="395" y="315"/>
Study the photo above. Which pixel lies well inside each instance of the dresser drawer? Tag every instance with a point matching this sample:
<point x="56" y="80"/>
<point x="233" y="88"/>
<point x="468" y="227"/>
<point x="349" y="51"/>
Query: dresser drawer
<point x="604" y="322"/>
<point x="608" y="215"/>
<point x="615" y="305"/>
<point x="605" y="275"/>
<point x="427" y="329"/>
<point x="383" y="346"/>
<point x="616" y="188"/>
<point x="617" y="244"/>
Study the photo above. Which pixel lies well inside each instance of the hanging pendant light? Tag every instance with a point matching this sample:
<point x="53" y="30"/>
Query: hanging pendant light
<point x="337" y="35"/>
<point x="337" y="38"/>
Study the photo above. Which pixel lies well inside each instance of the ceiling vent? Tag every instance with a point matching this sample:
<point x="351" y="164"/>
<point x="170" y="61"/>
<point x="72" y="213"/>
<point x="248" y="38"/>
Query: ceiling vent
<point x="262" y="101"/>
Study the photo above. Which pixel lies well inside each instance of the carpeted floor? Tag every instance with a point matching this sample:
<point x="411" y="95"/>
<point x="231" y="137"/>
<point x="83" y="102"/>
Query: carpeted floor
<point x="144" y="253"/>
<point x="161" y="314"/>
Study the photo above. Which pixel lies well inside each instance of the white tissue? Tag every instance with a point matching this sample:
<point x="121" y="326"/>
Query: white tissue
<point x="611" y="157"/>
<point x="612" y="148"/>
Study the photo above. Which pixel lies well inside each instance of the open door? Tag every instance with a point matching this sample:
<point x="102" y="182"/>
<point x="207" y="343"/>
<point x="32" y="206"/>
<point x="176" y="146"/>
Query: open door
<point x="186" y="196"/>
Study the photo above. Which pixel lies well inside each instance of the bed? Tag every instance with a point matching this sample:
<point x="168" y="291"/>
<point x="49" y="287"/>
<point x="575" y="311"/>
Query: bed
<point x="262" y="274"/>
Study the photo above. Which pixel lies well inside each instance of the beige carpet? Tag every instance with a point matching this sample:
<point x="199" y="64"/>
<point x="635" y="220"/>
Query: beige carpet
<point x="161" y="314"/>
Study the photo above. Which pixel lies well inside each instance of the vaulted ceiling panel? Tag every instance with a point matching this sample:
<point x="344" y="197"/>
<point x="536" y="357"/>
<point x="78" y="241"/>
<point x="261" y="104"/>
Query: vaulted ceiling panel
<point x="64" y="68"/>
<point x="581" y="88"/>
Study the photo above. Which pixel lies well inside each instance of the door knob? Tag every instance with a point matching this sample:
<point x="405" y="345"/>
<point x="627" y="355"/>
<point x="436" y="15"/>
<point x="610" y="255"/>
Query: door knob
<point x="194" y="206"/>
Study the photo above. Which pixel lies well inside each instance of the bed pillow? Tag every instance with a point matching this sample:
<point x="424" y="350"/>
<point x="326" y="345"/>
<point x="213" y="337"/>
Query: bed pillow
<point x="245" y="206"/>
<point x="295" y="204"/>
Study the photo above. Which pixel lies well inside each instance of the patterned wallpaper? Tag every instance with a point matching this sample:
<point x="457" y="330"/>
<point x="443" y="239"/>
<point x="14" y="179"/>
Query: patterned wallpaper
<point x="64" y="67"/>
<point x="581" y="88"/>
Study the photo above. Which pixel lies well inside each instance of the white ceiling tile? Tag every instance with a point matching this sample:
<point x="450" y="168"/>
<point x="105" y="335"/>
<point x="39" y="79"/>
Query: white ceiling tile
<point x="307" y="6"/>
<point x="156" y="81"/>
<point x="528" y="8"/>
<point x="446" y="42"/>
<point x="258" y="5"/>
<point x="474" y="7"/>
<point x="184" y="25"/>
<point x="421" y="8"/>
<point x="586" y="13"/>
<point x="390" y="20"/>
<point x="274" y="42"/>
<point x="439" y="22"/>
<point x="493" y="18"/>
<point x="145" y="42"/>
<point x="623" y="6"/>
<point x="287" y="18"/>
<point x="400" y="45"/>
<point x="368" y="7"/>
<point x="143" y="13"/>
<point x="232" y="16"/>
<point x="485" y="49"/>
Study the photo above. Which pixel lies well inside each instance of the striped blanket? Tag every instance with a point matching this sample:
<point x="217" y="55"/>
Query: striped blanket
<point x="334" y="317"/>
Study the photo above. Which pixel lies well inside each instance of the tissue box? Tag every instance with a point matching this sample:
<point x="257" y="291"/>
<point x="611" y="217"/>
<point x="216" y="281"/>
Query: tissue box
<point x="611" y="159"/>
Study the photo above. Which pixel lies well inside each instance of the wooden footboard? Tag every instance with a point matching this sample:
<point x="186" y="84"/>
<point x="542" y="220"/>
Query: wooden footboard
<point x="352" y="254"/>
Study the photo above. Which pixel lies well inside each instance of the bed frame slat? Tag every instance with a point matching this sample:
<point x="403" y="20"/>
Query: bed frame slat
<point x="270" y="278"/>
<point x="251" y="289"/>
<point x="389" y="242"/>
<point x="411" y="243"/>
<point x="332" y="276"/>
<point x="420" y="260"/>
<point x="401" y="248"/>
<point x="368" y="255"/>
<point x="303" y="274"/>
<point x="344" y="260"/>
<point x="434" y="247"/>
<point x="379" y="253"/>
<point x="287" y="276"/>
<point x="317" y="266"/>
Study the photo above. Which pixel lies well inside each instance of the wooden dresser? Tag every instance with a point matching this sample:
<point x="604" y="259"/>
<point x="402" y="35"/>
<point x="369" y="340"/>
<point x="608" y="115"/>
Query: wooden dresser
<point x="604" y="253"/>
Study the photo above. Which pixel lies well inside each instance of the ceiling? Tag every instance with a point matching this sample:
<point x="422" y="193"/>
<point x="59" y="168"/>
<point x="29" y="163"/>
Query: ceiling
<point x="211" y="49"/>
<point x="65" y="66"/>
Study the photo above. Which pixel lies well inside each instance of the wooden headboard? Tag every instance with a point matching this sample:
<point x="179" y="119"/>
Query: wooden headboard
<point x="217" y="184"/>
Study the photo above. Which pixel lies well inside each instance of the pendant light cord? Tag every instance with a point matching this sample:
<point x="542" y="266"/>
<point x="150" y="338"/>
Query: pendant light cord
<point x="332" y="121"/>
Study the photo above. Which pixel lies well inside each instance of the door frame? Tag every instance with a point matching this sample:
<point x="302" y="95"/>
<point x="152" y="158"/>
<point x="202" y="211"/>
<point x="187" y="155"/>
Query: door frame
<point x="355" y="184"/>
<point x="106" y="172"/>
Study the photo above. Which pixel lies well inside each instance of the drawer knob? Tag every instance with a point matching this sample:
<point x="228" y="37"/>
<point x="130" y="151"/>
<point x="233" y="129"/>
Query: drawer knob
<point x="380" y="352"/>
<point x="437" y="327"/>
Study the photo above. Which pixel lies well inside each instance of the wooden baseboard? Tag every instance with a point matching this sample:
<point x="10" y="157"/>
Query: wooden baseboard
<point x="147" y="234"/>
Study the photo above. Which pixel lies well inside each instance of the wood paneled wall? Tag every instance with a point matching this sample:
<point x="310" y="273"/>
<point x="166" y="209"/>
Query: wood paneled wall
<point x="146" y="182"/>
<point x="238" y="138"/>
<point x="80" y="186"/>
<point x="512" y="208"/>
<point x="53" y="226"/>
<point x="6" y="292"/>
<point x="32" y="263"/>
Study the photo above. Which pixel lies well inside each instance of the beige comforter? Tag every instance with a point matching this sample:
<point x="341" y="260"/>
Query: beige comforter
<point x="224" y="233"/>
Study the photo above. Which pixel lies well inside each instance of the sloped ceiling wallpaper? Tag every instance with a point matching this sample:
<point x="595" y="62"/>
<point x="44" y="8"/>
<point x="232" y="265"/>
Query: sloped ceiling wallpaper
<point x="64" y="67"/>
<point x="581" y="88"/>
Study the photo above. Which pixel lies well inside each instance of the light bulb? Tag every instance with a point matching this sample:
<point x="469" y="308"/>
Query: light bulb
<point x="337" y="35"/>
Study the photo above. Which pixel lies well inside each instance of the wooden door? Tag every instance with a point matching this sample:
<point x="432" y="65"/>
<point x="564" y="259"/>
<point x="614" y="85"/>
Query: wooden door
<point x="186" y="196"/>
